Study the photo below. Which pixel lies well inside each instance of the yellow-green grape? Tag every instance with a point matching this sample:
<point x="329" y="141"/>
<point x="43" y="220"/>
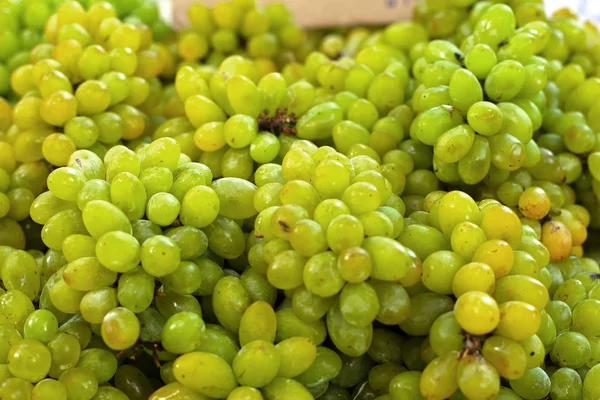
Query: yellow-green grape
<point x="456" y="207"/>
<point x="120" y="328"/>
<point x="204" y="364"/>
<point x="439" y="378"/>
<point x="425" y="309"/>
<point x="464" y="90"/>
<point x="58" y="108"/>
<point x="534" y="383"/>
<point x="428" y="126"/>
<point x="319" y="121"/>
<point x="507" y="356"/>
<point x="473" y="276"/>
<point x="296" y="355"/>
<point x="349" y="339"/>
<point x="258" y="323"/>
<point x="244" y="97"/>
<point x="518" y="320"/>
<point x="505" y="80"/>
<point x="477" y="312"/>
<point x="454" y="144"/>
<point x="516" y="122"/>
<point x="29" y="359"/>
<point x="477" y="377"/>
<point x="480" y="60"/>
<point x="557" y="239"/>
<point x="49" y="388"/>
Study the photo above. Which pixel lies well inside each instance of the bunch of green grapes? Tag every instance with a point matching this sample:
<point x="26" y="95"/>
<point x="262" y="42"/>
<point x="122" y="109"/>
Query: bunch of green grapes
<point x="22" y="24"/>
<point x="268" y="34"/>
<point x="20" y="183"/>
<point x="138" y="11"/>
<point x="94" y="85"/>
<point x="113" y="227"/>
<point x="398" y="213"/>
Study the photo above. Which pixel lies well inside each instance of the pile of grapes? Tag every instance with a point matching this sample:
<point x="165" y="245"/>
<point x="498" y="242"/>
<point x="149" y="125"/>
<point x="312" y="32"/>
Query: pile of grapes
<point x="246" y="210"/>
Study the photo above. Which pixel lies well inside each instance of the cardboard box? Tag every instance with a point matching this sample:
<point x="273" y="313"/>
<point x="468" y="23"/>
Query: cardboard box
<point x="324" y="13"/>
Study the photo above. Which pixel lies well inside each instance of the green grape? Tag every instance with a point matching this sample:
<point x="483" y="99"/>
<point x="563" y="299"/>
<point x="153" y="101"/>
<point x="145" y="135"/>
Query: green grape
<point x="243" y="95"/>
<point x="101" y="362"/>
<point x="162" y="209"/>
<point x="437" y="73"/>
<point x="120" y="329"/>
<point x="127" y="193"/>
<point x="477" y="312"/>
<point x="256" y="353"/>
<point x="80" y="382"/>
<point x="319" y="121"/>
<point x="535" y="351"/>
<point x="534" y="384"/>
<point x="566" y="384"/>
<point x="15" y="388"/>
<point x="182" y="332"/>
<point x="571" y="349"/>
<point x="100" y="217"/>
<point x="349" y="339"/>
<point x="49" y="388"/>
<point x="477" y="377"/>
<point x="8" y="337"/>
<point x="159" y="255"/>
<point x="118" y="251"/>
<point x="507" y="356"/>
<point x="156" y="180"/>
<point x="205" y="364"/>
<point x="64" y="298"/>
<point x="572" y="292"/>
<point x="29" y="359"/>
<point x="258" y="323"/>
<point x="65" y="350"/>
<point x="560" y="313"/>
<point x="220" y="342"/>
<point x="225" y="238"/>
<point x="446" y="334"/>
<point x="428" y="126"/>
<point x="201" y="110"/>
<point x="513" y="315"/>
<point x="41" y="325"/>
<point x="97" y="303"/>
<point x="185" y="279"/>
<point x="430" y="97"/>
<point x="21" y="272"/>
<point x="454" y="144"/>
<point x="406" y="385"/>
<point x="464" y="90"/>
<point x="88" y="274"/>
<point x="65" y="183"/>
<point x="584" y="319"/>
<point x="448" y="211"/>
<point x="439" y="269"/>
<point x="131" y="381"/>
<point x="211" y="273"/>
<point x="82" y="131"/>
<point x="135" y="290"/>
<point x="265" y="147"/>
<point x="480" y="60"/>
<point x="439" y="379"/>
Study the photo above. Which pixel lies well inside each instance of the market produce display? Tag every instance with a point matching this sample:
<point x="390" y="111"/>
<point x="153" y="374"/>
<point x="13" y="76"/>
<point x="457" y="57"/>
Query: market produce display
<point x="245" y="210"/>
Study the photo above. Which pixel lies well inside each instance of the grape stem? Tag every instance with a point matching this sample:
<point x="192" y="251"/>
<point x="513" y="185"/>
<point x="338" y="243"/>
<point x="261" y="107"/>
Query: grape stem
<point x="473" y="345"/>
<point x="281" y="122"/>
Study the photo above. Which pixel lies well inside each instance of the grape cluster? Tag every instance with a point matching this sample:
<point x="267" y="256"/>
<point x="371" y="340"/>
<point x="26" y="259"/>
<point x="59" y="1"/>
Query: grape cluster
<point x="246" y="210"/>
<point x="269" y="34"/>
<point x="23" y="24"/>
